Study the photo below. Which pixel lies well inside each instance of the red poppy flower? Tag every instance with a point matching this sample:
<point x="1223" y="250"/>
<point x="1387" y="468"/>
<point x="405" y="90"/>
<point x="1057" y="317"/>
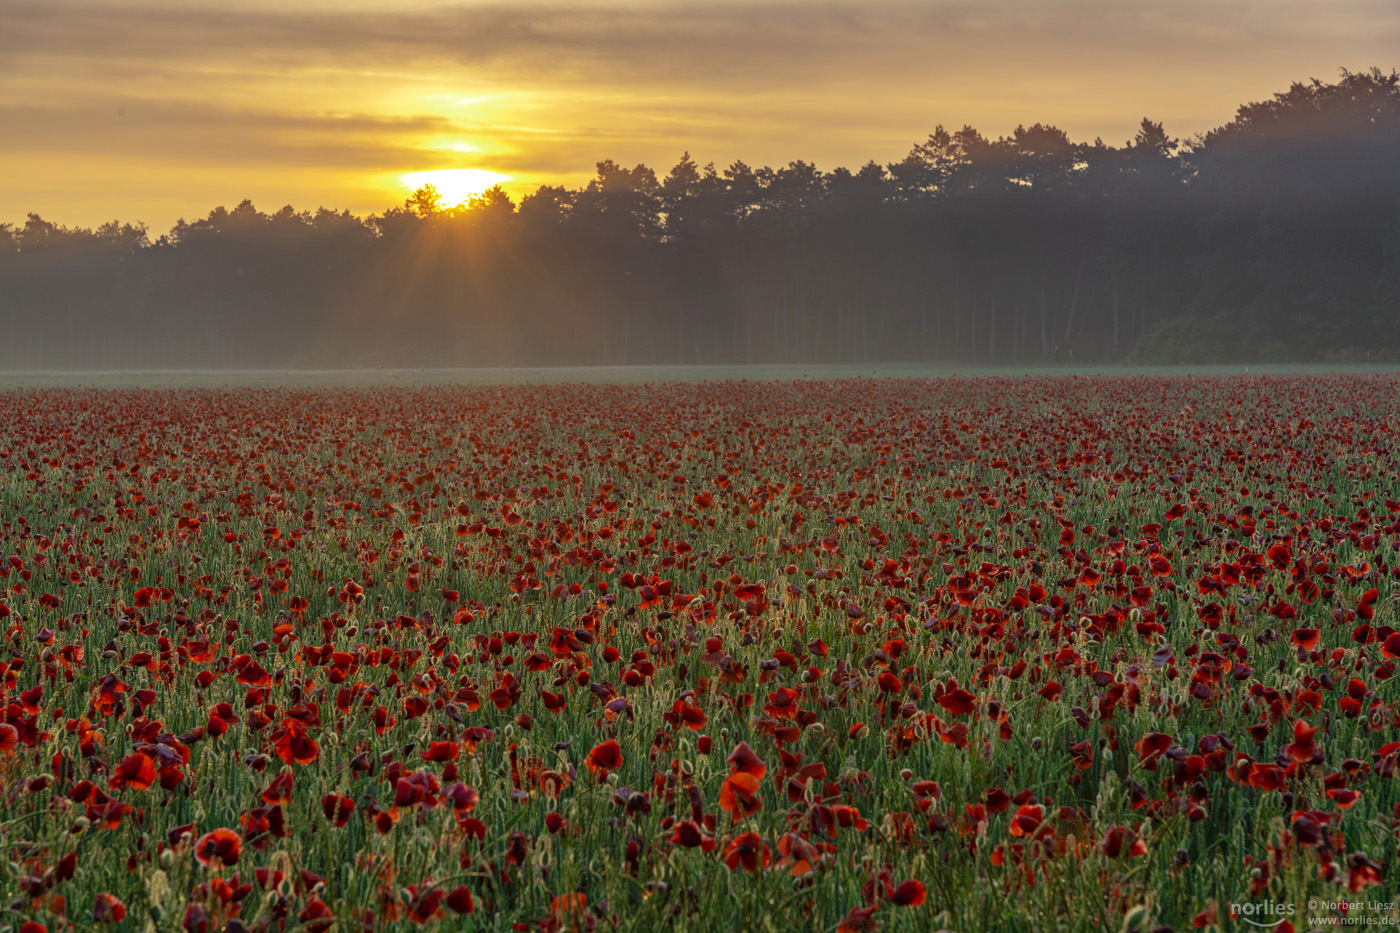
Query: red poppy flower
<point x="605" y="757"/>
<point x="1391" y="646"/>
<point x="799" y="856"/>
<point x="1302" y="748"/>
<point x="859" y="920"/>
<point x="463" y="797"/>
<point x="1344" y="797"/>
<point x="1027" y="819"/>
<point x="107" y="909"/>
<point x="293" y="744"/>
<point x="690" y="715"/>
<point x="460" y="900"/>
<point x="439" y="751"/>
<point x="908" y="894"/>
<point x="280" y="790"/>
<point x="745" y="759"/>
<point x="564" y="905"/>
<point x="337" y="808"/>
<point x="9" y="739"/>
<point x="1122" y="842"/>
<point x="958" y="702"/>
<point x="418" y="788"/>
<point x="138" y="771"/>
<point x="1150" y="747"/>
<point x="690" y="834"/>
<point x="316" y="917"/>
<point x="219" y="845"/>
<point x="424" y="902"/>
<point x="1366" y="606"/>
<point x="1306" y="638"/>
<point x="738" y="795"/>
<point x="748" y="850"/>
<point x="1362" y="872"/>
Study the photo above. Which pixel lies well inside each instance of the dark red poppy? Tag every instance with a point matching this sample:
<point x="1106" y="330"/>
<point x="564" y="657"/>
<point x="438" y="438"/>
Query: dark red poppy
<point x="294" y="744"/>
<point x="316" y="916"/>
<point x="439" y="752"/>
<point x="1027" y="820"/>
<point x="958" y="701"/>
<point x="1306" y="638"/>
<point x="137" y="771"/>
<point x="604" y="757"/>
<point x="107" y="908"/>
<point x="460" y="900"/>
<point x="691" y="834"/>
<point x="738" y="795"/>
<point x="745" y="759"/>
<point x="222" y="846"/>
<point x="909" y="893"/>
<point x="337" y="808"/>
<point x="748" y="851"/>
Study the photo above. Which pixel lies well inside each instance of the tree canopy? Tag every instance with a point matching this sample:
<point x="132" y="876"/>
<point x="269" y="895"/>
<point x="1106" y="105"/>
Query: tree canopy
<point x="1273" y="237"/>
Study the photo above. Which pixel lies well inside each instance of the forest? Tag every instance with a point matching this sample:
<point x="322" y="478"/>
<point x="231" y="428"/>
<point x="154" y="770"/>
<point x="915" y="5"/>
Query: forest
<point x="1273" y="238"/>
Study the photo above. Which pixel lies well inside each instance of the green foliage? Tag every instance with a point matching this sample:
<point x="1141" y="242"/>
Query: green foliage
<point x="218" y="496"/>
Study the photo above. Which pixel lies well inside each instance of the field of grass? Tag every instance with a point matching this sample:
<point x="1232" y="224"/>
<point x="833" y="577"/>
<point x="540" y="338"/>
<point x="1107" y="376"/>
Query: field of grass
<point x="648" y="649"/>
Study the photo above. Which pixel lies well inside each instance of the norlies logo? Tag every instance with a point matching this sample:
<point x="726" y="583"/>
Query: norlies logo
<point x="1268" y="914"/>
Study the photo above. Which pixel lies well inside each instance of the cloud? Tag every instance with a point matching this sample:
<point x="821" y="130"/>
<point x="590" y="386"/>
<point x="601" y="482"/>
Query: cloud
<point x="179" y="131"/>
<point x="721" y="43"/>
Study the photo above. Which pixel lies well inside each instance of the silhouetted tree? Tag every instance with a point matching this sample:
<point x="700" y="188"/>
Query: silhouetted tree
<point x="1275" y="236"/>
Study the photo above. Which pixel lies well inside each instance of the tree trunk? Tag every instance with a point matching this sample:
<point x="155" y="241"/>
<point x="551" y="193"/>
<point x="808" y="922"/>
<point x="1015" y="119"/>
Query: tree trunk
<point x="1044" y="324"/>
<point x="972" y="325"/>
<point x="1074" y="300"/>
<point x="938" y="324"/>
<point x="992" y="332"/>
<point x="1115" y="318"/>
<point x="923" y="324"/>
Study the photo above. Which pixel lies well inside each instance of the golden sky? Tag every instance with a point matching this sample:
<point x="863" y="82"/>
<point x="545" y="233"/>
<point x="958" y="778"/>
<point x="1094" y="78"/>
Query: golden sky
<point x="157" y="110"/>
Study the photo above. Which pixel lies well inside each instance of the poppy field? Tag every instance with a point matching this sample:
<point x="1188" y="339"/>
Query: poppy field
<point x="1052" y="652"/>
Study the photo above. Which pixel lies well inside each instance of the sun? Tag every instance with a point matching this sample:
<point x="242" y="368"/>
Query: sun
<point x="454" y="184"/>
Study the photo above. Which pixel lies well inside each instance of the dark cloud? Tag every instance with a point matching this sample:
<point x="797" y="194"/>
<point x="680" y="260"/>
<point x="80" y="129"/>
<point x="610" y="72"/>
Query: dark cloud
<point x="722" y="44"/>
<point x="182" y="131"/>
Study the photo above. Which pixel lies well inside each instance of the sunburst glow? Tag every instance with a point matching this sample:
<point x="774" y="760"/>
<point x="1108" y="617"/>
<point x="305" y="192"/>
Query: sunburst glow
<point x="455" y="185"/>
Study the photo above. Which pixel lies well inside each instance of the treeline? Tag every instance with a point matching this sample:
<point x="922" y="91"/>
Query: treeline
<point x="1275" y="237"/>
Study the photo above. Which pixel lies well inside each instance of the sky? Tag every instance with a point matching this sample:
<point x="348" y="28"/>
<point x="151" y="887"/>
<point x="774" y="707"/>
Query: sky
<point x="154" y="111"/>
